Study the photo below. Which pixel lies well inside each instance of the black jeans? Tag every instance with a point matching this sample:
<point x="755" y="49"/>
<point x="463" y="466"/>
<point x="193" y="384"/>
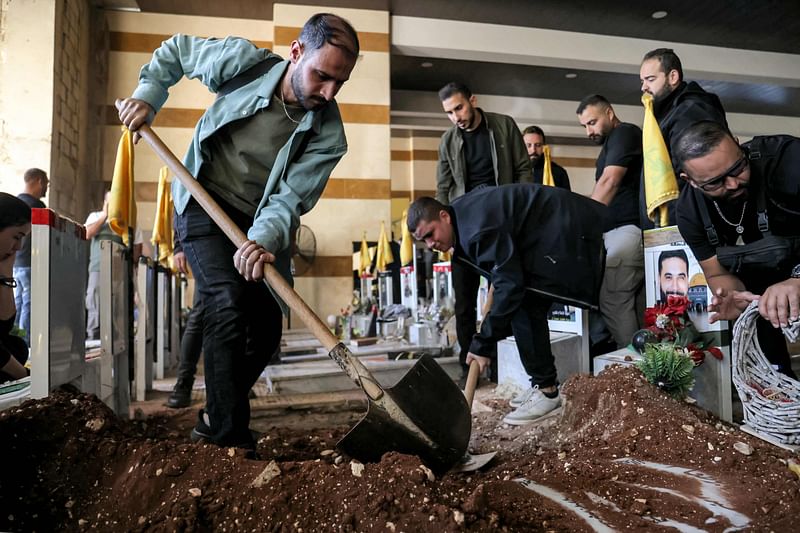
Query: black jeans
<point x="191" y="343"/>
<point x="532" y="334"/>
<point x="241" y="322"/>
<point x="465" y="286"/>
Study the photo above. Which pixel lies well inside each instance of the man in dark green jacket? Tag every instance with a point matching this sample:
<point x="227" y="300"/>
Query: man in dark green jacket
<point x="482" y="149"/>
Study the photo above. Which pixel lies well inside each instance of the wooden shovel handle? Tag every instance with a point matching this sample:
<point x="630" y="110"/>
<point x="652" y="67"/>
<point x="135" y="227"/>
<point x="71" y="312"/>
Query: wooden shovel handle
<point x="237" y="236"/>
<point x="472" y="382"/>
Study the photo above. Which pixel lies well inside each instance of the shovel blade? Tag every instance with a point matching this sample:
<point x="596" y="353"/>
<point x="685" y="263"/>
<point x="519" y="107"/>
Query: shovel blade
<point x="440" y="419"/>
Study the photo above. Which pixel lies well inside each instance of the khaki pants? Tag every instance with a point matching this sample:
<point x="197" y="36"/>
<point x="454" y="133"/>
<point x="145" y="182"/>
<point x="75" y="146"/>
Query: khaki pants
<point x="621" y="295"/>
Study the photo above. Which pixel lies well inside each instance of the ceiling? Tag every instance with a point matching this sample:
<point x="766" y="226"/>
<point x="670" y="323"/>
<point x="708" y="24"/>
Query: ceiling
<point x="763" y="25"/>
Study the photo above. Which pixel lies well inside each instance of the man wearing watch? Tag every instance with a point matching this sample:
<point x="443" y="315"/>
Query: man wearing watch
<point x="741" y="196"/>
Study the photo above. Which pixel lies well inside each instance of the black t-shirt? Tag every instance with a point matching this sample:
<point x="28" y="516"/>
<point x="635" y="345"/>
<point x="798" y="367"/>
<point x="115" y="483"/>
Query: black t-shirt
<point x="623" y="147"/>
<point x="783" y="187"/>
<point x="478" y="157"/>
<point x="24" y="254"/>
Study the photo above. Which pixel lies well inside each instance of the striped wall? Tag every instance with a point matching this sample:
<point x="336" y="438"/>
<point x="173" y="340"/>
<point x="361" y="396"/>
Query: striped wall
<point x="415" y="155"/>
<point x="358" y="195"/>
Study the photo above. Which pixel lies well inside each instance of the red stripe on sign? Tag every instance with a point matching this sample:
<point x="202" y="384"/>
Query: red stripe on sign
<point x="43" y="217"/>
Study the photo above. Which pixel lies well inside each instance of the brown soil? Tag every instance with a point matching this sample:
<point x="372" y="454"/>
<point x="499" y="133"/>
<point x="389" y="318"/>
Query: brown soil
<point x="70" y="465"/>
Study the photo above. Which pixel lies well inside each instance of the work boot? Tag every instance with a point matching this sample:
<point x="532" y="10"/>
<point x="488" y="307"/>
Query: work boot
<point x="181" y="395"/>
<point x="536" y="406"/>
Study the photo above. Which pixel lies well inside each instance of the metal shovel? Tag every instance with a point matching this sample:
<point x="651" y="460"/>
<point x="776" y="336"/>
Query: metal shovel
<point x="424" y="414"/>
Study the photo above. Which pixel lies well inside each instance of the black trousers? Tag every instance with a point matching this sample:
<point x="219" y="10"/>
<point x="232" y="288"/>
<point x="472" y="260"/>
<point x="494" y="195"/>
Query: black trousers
<point x="465" y="286"/>
<point x="242" y="323"/>
<point x="191" y="344"/>
<point x="532" y="334"/>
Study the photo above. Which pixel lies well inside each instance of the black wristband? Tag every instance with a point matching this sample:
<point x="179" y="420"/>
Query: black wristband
<point x="8" y="282"/>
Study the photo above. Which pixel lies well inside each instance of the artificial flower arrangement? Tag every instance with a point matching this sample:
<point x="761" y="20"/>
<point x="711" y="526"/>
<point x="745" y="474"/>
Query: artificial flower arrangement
<point x="671" y="346"/>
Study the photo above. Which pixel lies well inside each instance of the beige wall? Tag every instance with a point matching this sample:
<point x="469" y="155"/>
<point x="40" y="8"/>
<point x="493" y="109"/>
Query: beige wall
<point x="26" y="107"/>
<point x="358" y="195"/>
<point x="48" y="99"/>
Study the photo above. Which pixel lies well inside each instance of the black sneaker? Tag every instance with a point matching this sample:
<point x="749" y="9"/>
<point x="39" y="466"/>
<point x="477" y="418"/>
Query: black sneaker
<point x="180" y="397"/>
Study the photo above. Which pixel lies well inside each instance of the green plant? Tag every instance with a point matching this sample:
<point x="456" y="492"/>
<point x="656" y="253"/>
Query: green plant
<point x="668" y="367"/>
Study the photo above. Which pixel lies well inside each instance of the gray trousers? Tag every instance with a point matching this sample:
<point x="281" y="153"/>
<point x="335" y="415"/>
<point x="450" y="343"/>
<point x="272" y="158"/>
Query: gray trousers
<point x="621" y="295"/>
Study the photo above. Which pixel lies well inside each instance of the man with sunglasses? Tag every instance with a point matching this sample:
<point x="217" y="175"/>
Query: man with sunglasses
<point x="739" y="195"/>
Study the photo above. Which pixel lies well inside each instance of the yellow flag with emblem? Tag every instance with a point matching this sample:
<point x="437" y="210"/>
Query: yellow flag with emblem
<point x="162" y="225"/>
<point x="407" y="243"/>
<point x="660" y="185"/>
<point x="384" y="256"/>
<point x="363" y="257"/>
<point x="121" y="202"/>
<point x="547" y="175"/>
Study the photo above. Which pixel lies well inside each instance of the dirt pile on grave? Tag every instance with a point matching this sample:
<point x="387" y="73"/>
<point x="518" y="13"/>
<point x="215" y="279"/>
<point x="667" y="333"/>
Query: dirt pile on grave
<point x="622" y="454"/>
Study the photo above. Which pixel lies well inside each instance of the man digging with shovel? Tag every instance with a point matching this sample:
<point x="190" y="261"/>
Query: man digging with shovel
<point x="264" y="150"/>
<point x="536" y="245"/>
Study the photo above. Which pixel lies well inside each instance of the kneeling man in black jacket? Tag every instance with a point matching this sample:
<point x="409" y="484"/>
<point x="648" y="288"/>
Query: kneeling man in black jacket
<point x="536" y="245"/>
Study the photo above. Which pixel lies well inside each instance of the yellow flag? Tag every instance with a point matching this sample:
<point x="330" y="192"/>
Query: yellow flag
<point x="385" y="255"/>
<point x="121" y="202"/>
<point x="407" y="243"/>
<point x="547" y="176"/>
<point x="660" y="185"/>
<point x="162" y="225"/>
<point x="363" y="258"/>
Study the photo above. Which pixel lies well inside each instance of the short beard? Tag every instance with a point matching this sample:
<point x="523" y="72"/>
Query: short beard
<point x="309" y="104"/>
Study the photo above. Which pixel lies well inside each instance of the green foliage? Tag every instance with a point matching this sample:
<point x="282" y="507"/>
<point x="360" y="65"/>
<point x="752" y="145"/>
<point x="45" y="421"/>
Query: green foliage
<point x="668" y="367"/>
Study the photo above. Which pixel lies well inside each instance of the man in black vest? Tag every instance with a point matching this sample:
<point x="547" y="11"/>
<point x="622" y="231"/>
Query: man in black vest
<point x="740" y="195"/>
<point x="536" y="245"/>
<point x="677" y="104"/>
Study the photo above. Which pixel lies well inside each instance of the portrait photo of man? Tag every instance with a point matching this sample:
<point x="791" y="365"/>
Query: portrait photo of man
<point x="673" y="273"/>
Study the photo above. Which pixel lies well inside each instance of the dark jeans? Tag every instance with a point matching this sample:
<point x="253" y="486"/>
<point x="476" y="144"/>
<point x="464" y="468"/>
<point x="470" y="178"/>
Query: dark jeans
<point x="465" y="286"/>
<point x="241" y="322"/>
<point x="191" y="344"/>
<point x="532" y="334"/>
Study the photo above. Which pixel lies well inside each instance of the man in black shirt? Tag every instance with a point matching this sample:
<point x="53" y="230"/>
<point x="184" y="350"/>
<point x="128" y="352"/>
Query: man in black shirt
<point x="617" y="174"/>
<point x="481" y="149"/>
<point x="535" y="142"/>
<point x="35" y="189"/>
<point x="676" y="105"/>
<point x="730" y="185"/>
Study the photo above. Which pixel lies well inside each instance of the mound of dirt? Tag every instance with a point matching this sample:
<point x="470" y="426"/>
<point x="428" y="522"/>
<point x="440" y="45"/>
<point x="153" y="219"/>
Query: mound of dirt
<point x="621" y="455"/>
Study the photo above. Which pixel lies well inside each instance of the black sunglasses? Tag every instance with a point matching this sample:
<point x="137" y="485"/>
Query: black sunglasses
<point x="735" y="171"/>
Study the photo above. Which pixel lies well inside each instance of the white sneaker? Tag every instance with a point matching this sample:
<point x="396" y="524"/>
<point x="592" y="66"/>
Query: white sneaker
<point x="521" y="398"/>
<point x="537" y="406"/>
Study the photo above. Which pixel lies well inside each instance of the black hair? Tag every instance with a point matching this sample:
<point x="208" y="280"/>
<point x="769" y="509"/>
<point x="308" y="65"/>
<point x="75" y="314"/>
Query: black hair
<point x="669" y="254"/>
<point x="13" y="211"/>
<point x="535" y="130"/>
<point x="594" y="100"/>
<point x="327" y="28"/>
<point x="668" y="60"/>
<point x="452" y="88"/>
<point x="423" y="209"/>
<point x="698" y="140"/>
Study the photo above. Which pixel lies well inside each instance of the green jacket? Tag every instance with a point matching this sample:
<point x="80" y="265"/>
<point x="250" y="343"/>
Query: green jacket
<point x="304" y="163"/>
<point x="509" y="157"/>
